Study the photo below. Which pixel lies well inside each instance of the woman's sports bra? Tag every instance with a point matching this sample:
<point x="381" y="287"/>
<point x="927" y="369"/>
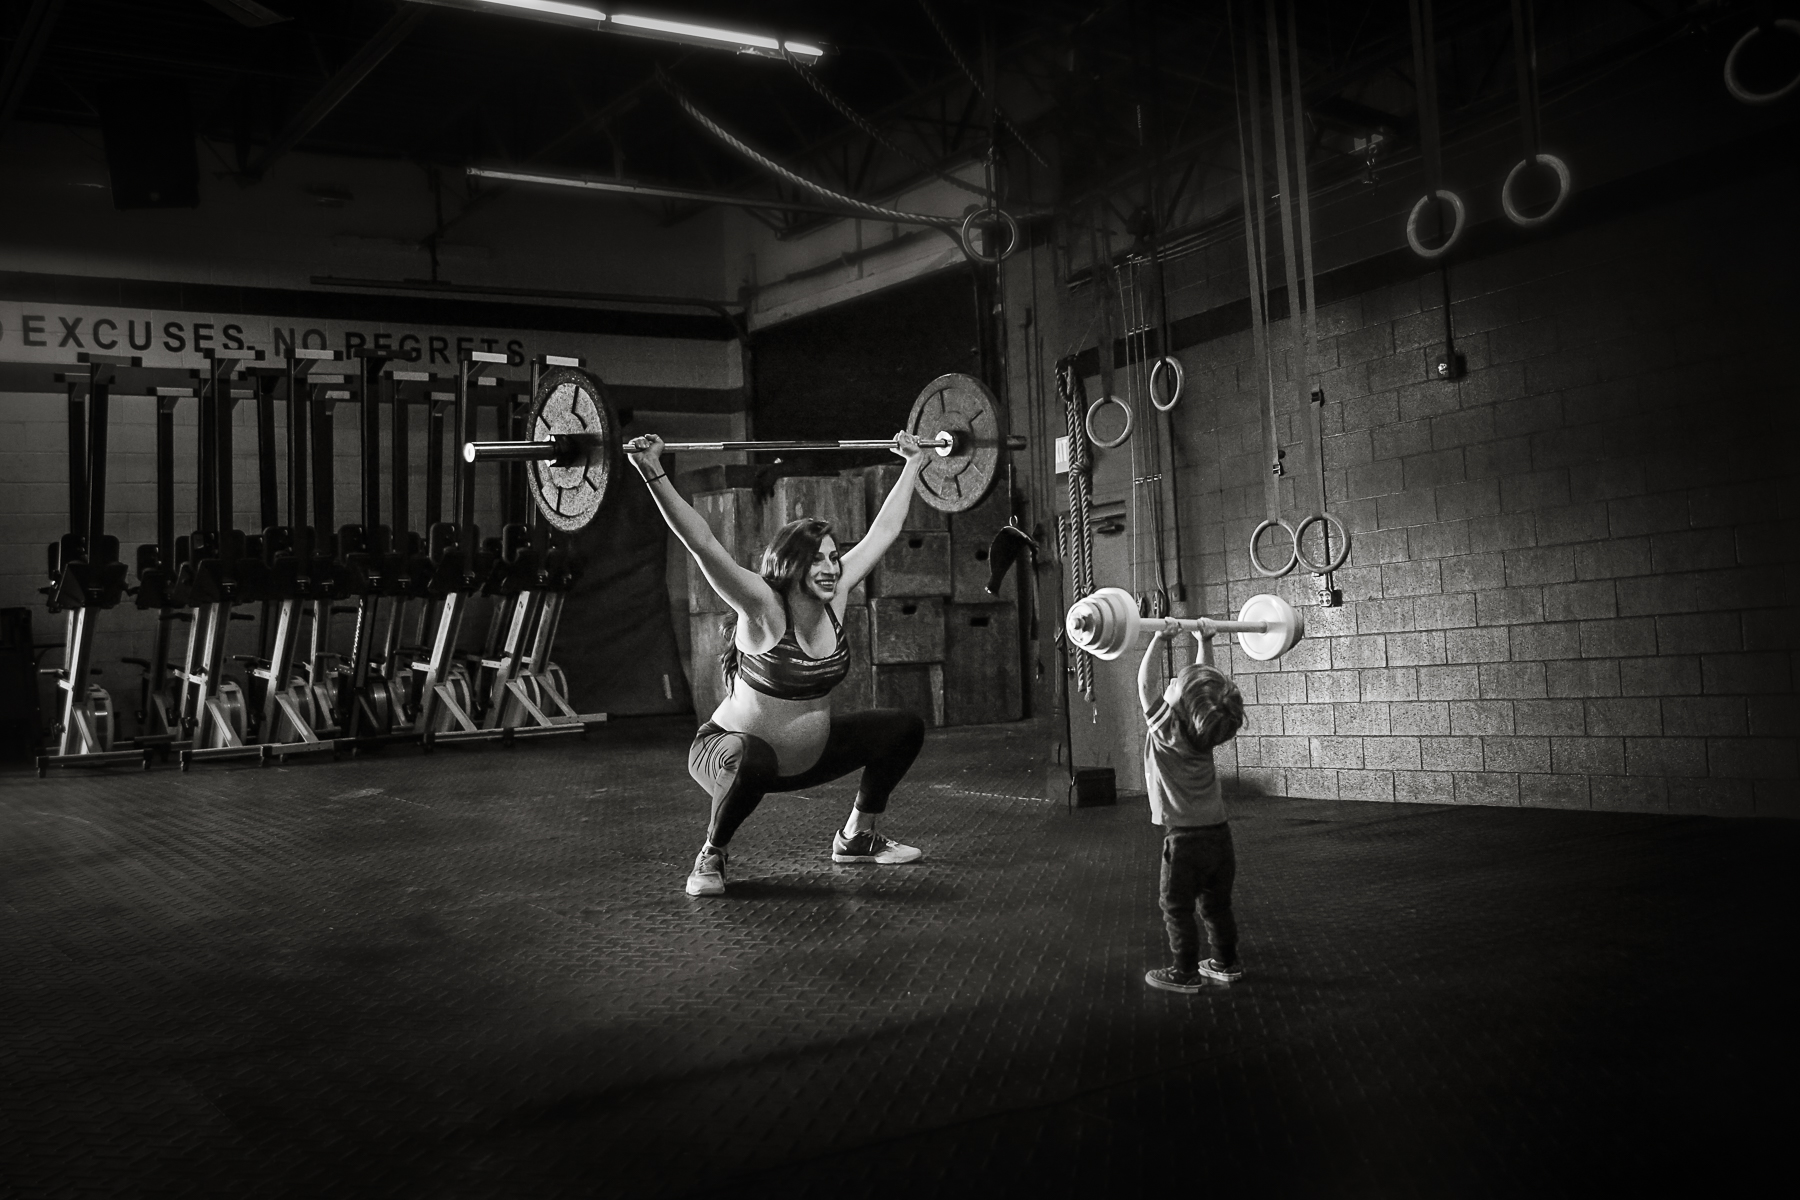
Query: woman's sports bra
<point x="787" y="672"/>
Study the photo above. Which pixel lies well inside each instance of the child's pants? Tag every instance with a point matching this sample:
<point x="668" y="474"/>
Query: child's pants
<point x="1198" y="865"/>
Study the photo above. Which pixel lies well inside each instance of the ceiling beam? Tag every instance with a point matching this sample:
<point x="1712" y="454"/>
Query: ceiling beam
<point x="27" y="48"/>
<point x="340" y="85"/>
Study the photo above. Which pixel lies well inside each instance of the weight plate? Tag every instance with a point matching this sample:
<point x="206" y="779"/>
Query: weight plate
<point x="573" y="402"/>
<point x="962" y="405"/>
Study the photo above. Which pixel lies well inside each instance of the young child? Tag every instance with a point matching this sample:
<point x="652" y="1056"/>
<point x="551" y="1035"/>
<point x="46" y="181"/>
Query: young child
<point x="1200" y="709"/>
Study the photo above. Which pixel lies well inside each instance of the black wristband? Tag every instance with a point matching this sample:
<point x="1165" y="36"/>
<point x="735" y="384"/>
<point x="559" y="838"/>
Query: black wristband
<point x="654" y="478"/>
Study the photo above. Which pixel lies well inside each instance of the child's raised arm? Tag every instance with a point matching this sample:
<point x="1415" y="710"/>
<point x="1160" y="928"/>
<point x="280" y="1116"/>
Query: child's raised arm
<point x="1148" y="692"/>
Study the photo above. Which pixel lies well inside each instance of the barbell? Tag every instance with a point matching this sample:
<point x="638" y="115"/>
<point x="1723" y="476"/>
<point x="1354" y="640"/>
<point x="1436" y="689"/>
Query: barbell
<point x="575" y="440"/>
<point x="1107" y="623"/>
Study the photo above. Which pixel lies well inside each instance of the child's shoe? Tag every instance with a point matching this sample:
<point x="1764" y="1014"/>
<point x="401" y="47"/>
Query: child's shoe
<point x="1212" y="968"/>
<point x="1171" y="980"/>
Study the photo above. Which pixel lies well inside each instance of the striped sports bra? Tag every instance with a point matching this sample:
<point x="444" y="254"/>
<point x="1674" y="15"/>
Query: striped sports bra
<point x="787" y="672"/>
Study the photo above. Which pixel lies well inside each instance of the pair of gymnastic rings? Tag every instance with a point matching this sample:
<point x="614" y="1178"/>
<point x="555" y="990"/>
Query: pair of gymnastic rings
<point x="1297" y="555"/>
<point x="1513" y="212"/>
<point x="1168" y="364"/>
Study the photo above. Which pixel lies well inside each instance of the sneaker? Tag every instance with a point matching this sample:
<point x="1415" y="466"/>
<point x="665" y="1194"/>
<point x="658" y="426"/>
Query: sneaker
<point x="1212" y="969"/>
<point x="708" y="877"/>
<point x="871" y="847"/>
<point x="1171" y="980"/>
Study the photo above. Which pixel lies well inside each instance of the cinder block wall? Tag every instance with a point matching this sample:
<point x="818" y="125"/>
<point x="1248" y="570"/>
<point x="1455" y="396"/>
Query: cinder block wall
<point x="1573" y="570"/>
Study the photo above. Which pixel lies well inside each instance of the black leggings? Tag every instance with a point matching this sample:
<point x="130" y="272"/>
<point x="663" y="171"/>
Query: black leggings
<point x="739" y="769"/>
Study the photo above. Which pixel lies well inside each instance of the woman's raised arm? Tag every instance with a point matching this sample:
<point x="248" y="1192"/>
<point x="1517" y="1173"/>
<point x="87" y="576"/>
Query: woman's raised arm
<point x="861" y="558"/>
<point x="744" y="590"/>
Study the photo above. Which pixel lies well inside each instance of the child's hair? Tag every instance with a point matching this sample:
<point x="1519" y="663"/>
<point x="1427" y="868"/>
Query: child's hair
<point x="785" y="561"/>
<point x="1211" y="704"/>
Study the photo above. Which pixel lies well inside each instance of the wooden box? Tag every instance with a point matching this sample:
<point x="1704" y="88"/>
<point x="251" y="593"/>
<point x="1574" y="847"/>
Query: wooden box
<point x="906" y="630"/>
<point x="834" y="498"/>
<point x="917" y="564"/>
<point x="857" y="692"/>
<point x="914" y="687"/>
<point x="733" y="518"/>
<point x="971" y="537"/>
<point x="877" y="482"/>
<point x="704" y="676"/>
<point x="982" y="682"/>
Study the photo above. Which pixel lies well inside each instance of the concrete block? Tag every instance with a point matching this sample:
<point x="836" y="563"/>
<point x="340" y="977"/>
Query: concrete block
<point x="1401" y="439"/>
<point x="1515" y="753"/>
<point x="1313" y="784"/>
<point x="1670" y="756"/>
<point x="1381" y="478"/>
<point x="1286" y="751"/>
<point x="1574" y="601"/>
<point x="1442" y="540"/>
<point x="1463" y="427"/>
<point x="1512" y="681"/>
<point x="1554" y="791"/>
<point x="1374" y="548"/>
<point x="1487" y="787"/>
<point x="1536" y="490"/>
<point x="1551" y="640"/>
<point x="1759" y="672"/>
<point x="1770" y="716"/>
<point x="1571" y="524"/>
<point x="1712" y="716"/>
<point x="1360" y="720"/>
<point x="1625" y="716"/>
<point x="1366" y="785"/>
<point x="1465" y="501"/>
<point x="1474" y="573"/>
<point x="1619" y="558"/>
<point x="1422" y="578"/>
<point x="1636" y="516"/>
<point x="1656" y="594"/>
<point x="1530" y="566"/>
<point x="1587" y="755"/>
<point x="1547" y="716"/>
<point x="1470" y="718"/>
<point x="1712" y="797"/>
<point x="1359" y="409"/>
<point x="1383" y="616"/>
<point x="1444" y="612"/>
<point x="1280" y="687"/>
<point x="1308" y="719"/>
<point x="1450" y="753"/>
<point x="1419" y="717"/>
<point x="1629" y="793"/>
<point x="1490" y="644"/>
<point x="1776" y="798"/>
<point x="1353" y="652"/>
<point x="1752" y="758"/>
<point x="1391" y="753"/>
<point x="1693" y="550"/>
<point x="1743" y="588"/>
<point x="1509" y="606"/>
<point x="1415" y="649"/>
<point x="1446" y="683"/>
<point x="1434" y="468"/>
<point x="1424" y="787"/>
<point x="1667" y="675"/>
<point x="917" y="564"/>
<point x="1618" y="638"/>
<point x="1498" y="459"/>
<point x="1418" y="507"/>
<point x="1332" y="687"/>
<point x="1387" y="683"/>
<point x="1336" y="752"/>
<point x="1709" y="633"/>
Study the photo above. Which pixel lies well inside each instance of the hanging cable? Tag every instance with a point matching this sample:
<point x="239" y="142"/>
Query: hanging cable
<point x="947" y="224"/>
<point x="1530" y="121"/>
<point x="1430" y="140"/>
<point x="956" y="55"/>
<point x="1250" y="174"/>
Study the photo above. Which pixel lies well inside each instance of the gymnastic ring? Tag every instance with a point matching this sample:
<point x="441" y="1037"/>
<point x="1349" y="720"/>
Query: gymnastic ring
<point x="1088" y="421"/>
<point x="1338" y="559"/>
<point x="1738" y="91"/>
<point x="1562" y="191"/>
<point x="1412" y="225"/>
<point x="1172" y="363"/>
<point x="1012" y="235"/>
<point x="1257" y="563"/>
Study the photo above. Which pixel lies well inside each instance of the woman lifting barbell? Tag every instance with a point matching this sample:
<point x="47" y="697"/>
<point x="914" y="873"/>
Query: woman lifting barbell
<point x="784" y="652"/>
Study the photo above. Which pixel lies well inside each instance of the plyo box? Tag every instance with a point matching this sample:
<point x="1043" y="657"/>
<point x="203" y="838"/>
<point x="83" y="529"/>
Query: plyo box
<point x="877" y="482"/>
<point x="732" y="516"/>
<point x="917" y="564"/>
<point x="906" y="629"/>
<point x="914" y="687"/>
<point x="834" y="498"/>
<point x="708" y="682"/>
<point x="857" y="692"/>
<point x="982" y="682"/>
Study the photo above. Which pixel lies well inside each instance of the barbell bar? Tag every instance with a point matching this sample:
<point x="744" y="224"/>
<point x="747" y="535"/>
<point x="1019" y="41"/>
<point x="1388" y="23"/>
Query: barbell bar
<point x="567" y="447"/>
<point x="1107" y="623"/>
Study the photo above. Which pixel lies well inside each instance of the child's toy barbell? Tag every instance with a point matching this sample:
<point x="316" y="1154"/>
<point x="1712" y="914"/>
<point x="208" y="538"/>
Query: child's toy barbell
<point x="1106" y="624"/>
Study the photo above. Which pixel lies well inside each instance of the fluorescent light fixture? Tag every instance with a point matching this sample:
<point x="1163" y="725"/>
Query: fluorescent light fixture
<point x="665" y="29"/>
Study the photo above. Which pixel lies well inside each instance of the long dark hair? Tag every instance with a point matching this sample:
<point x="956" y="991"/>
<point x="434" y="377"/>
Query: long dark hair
<point x="785" y="561"/>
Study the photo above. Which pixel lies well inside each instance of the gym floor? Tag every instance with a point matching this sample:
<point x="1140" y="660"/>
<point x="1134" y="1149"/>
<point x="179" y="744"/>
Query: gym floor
<point x="476" y="973"/>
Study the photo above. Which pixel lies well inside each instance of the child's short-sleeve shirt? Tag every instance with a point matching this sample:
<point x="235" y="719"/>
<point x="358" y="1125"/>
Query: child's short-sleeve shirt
<point x="1184" y="787"/>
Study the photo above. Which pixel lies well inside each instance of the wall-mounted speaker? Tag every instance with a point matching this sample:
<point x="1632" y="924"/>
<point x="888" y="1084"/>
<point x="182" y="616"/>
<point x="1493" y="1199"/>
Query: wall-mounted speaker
<point x="149" y="129"/>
